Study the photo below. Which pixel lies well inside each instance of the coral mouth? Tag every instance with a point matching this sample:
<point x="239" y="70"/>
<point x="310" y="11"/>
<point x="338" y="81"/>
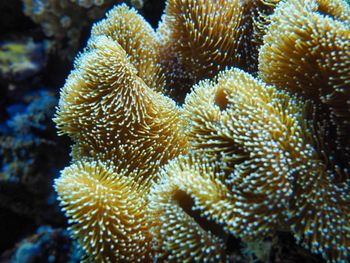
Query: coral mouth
<point x="186" y="202"/>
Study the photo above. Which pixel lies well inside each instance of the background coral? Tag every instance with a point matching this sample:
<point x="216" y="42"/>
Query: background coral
<point x="46" y="245"/>
<point x="26" y="170"/>
<point x="20" y="59"/>
<point x="25" y="140"/>
<point x="24" y="131"/>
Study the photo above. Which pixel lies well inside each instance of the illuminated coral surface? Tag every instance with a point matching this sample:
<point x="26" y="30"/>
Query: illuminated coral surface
<point x="247" y="155"/>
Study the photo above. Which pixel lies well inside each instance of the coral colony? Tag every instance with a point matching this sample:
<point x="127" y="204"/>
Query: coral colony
<point x="231" y="119"/>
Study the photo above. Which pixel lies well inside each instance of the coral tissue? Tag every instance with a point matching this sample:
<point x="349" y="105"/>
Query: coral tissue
<point x="260" y="143"/>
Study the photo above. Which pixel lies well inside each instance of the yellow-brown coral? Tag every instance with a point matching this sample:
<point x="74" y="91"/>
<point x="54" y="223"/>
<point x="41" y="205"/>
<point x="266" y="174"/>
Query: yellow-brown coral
<point x="106" y="211"/>
<point x="182" y="231"/>
<point x="307" y="51"/>
<point x="253" y="128"/>
<point x="280" y="176"/>
<point x="112" y="114"/>
<point x="200" y="38"/>
<point x="258" y="161"/>
<point x="140" y="42"/>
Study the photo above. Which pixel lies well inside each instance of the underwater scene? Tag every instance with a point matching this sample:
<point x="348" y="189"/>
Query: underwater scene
<point x="174" y="131"/>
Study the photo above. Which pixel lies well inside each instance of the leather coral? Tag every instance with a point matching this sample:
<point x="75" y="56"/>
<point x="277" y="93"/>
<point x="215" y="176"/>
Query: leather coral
<point x="240" y="158"/>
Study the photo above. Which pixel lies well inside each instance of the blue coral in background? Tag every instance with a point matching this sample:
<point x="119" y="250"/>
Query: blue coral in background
<point x="31" y="155"/>
<point x="47" y="244"/>
<point x="23" y="136"/>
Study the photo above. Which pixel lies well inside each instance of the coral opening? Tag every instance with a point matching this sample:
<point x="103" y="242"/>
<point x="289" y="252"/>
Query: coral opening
<point x="186" y="202"/>
<point x="324" y="8"/>
<point x="221" y="99"/>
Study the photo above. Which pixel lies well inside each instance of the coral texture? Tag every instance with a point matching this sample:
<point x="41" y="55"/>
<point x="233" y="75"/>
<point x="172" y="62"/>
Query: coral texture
<point x="307" y="51"/>
<point x="106" y="93"/>
<point x="240" y="159"/>
<point x="280" y="177"/>
<point x="200" y="38"/>
<point x="138" y="40"/>
<point x="179" y="207"/>
<point x="93" y="194"/>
